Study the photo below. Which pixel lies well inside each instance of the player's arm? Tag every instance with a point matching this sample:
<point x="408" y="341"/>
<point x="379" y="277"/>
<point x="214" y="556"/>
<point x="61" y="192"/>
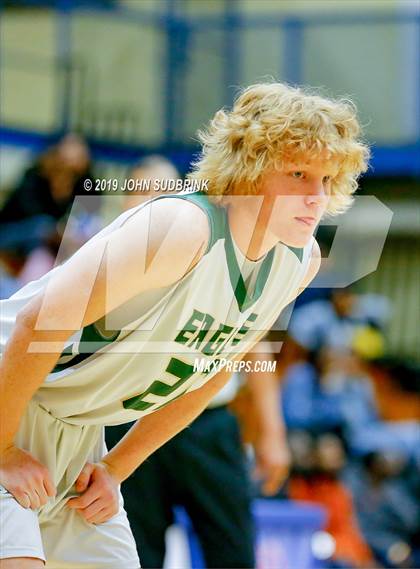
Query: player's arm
<point x="98" y="482"/>
<point x="271" y="450"/>
<point x="155" y="429"/>
<point x="154" y="248"/>
<point x="269" y="434"/>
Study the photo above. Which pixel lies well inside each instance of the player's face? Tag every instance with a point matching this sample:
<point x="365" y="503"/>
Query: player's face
<point x="298" y="197"/>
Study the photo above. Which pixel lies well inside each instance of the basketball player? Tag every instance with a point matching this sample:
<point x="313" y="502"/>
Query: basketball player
<point x="112" y="335"/>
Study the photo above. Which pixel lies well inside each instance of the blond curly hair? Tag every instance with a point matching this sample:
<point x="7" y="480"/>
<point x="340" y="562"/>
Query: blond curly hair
<point x="271" y="124"/>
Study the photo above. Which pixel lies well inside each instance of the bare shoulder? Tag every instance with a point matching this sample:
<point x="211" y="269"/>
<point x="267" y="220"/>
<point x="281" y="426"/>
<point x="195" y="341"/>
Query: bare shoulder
<point x="183" y="219"/>
<point x="173" y="233"/>
<point x="155" y="247"/>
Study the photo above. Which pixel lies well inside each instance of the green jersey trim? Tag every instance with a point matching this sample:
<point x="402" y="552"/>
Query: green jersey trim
<point x="220" y="230"/>
<point x="244" y="297"/>
<point x="297" y="251"/>
<point x="216" y="215"/>
<point x="91" y="341"/>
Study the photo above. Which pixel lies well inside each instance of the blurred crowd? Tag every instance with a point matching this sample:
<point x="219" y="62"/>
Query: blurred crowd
<point x="351" y="411"/>
<point x="36" y="212"/>
<point x="352" y="415"/>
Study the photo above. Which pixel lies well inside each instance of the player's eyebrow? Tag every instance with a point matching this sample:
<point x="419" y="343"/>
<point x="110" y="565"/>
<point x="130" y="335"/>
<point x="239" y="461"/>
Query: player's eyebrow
<point x="295" y="167"/>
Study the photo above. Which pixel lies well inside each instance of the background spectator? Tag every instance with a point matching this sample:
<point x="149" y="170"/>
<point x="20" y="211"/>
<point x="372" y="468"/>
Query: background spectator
<point x="34" y="215"/>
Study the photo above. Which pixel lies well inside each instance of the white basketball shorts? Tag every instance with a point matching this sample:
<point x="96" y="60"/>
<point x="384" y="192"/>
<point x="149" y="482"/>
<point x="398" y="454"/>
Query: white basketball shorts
<point x="57" y="534"/>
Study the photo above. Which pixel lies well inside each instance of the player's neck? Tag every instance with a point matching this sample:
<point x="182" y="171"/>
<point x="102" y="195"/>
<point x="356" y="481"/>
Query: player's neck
<point x="248" y="228"/>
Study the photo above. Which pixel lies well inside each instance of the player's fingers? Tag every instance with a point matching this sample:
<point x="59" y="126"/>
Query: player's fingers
<point x="82" y="502"/>
<point x="27" y="495"/>
<point x="269" y="488"/>
<point x="35" y="500"/>
<point x="42" y="494"/>
<point x="273" y="481"/>
<point x="95" y="511"/>
<point x="92" y="510"/>
<point x="28" y="499"/>
<point x="23" y="499"/>
<point x="83" y="479"/>
<point x="102" y="516"/>
<point x="49" y="486"/>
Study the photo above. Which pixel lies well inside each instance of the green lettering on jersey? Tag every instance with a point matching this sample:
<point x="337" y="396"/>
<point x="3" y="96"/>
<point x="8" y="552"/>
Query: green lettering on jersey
<point x="198" y="326"/>
<point x="196" y="342"/>
<point x="192" y="327"/>
<point x="244" y="329"/>
<point x="217" y="340"/>
<point x="177" y="368"/>
<point x="195" y="329"/>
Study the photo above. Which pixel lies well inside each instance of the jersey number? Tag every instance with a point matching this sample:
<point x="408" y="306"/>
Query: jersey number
<point x="176" y="368"/>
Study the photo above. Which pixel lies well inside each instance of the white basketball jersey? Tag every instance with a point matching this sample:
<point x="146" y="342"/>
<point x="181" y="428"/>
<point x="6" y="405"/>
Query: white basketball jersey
<point x="144" y="354"/>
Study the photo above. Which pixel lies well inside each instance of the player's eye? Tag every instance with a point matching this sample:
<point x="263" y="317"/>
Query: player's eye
<point x="298" y="174"/>
<point x="326" y="179"/>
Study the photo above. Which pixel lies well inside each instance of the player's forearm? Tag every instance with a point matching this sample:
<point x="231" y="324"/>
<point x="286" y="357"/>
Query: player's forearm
<point x="22" y="371"/>
<point x="151" y="432"/>
<point x="264" y="387"/>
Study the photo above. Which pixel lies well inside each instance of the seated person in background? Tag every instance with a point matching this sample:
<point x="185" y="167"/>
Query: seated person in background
<point x="386" y="491"/>
<point x="332" y="323"/>
<point x="396" y="381"/>
<point x="30" y="219"/>
<point x="49" y="185"/>
<point x="335" y="394"/>
<point x="332" y="394"/>
<point x="316" y="464"/>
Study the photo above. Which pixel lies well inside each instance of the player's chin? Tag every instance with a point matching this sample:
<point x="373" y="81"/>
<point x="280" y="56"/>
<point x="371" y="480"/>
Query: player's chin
<point x="298" y="239"/>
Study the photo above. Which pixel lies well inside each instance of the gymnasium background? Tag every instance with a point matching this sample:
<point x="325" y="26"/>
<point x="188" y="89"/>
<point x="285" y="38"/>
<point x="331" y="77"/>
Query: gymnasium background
<point x="135" y="77"/>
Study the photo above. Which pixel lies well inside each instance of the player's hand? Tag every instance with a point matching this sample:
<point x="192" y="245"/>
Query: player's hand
<point x="25" y="478"/>
<point x="272" y="462"/>
<point x="99" y="494"/>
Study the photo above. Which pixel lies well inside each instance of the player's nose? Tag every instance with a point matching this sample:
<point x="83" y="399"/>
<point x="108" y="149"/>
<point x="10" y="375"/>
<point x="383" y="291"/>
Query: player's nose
<point x="316" y="193"/>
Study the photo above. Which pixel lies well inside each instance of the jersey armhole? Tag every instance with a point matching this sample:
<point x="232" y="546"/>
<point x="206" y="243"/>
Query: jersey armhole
<point x="216" y="215"/>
